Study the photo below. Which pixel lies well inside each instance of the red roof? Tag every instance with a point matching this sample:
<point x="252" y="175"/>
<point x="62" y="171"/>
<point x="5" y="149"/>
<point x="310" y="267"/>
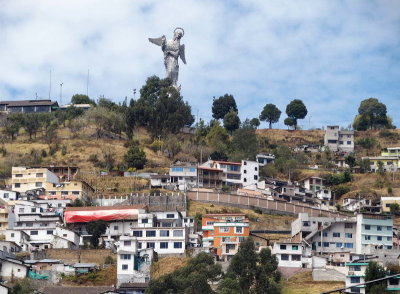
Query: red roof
<point x="228" y="162"/>
<point x="210" y="168"/>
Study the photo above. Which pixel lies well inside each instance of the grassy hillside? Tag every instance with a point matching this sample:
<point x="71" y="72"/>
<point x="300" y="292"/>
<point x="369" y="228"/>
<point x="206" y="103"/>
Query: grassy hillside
<point x="302" y="283"/>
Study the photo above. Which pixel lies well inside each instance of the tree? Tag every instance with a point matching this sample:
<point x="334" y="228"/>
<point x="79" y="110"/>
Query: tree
<point x="31" y="124"/>
<point x="244" y="144"/>
<point x="372" y="113"/>
<point x="374" y="271"/>
<point x="296" y="110"/>
<point x="96" y="229"/>
<point x="223" y="105"/>
<point x="255" y="273"/>
<point x="289" y="122"/>
<point x="350" y="160"/>
<point x="13" y="124"/>
<point x="270" y="114"/>
<point x="231" y="121"/>
<point x="218" y="139"/>
<point x="365" y="165"/>
<point x="82" y="99"/>
<point x="193" y="278"/>
<point x="172" y="146"/>
<point x="394" y="209"/>
<point x="255" y="122"/>
<point x="135" y="157"/>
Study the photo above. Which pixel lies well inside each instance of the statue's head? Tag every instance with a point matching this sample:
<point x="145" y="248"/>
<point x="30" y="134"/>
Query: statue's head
<point x="178" y="33"/>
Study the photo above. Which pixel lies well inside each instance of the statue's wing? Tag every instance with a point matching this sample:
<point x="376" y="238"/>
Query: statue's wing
<point x="182" y="53"/>
<point x="158" y="41"/>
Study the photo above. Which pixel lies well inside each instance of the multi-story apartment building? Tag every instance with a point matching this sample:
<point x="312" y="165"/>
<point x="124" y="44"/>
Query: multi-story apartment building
<point x="386" y="202"/>
<point x="389" y="159"/>
<point x="337" y="140"/>
<point x="133" y="264"/>
<point x="222" y="233"/>
<point x="305" y="224"/>
<point x="3" y="215"/>
<point x="355" y="275"/>
<point x="374" y="230"/>
<point x="249" y="172"/>
<point x="47" y="184"/>
<point x="313" y="183"/>
<point x="210" y="177"/>
<point x="183" y="175"/>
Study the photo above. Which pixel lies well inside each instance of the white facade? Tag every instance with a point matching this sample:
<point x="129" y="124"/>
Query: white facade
<point x="12" y="268"/>
<point x="8" y="195"/>
<point x="355" y="275"/>
<point x="24" y="179"/>
<point x="249" y="172"/>
<point x="337" y="140"/>
<point x="264" y="159"/>
<point x="288" y="254"/>
<point x="183" y="176"/>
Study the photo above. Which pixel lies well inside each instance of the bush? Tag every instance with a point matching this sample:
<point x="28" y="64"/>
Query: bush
<point x="64" y="150"/>
<point x="93" y="158"/>
<point x="44" y="153"/>
<point x="388" y="134"/>
<point x="53" y="149"/>
<point x="339" y="178"/>
<point x="108" y="260"/>
<point x="258" y="210"/>
<point x="366" y="142"/>
<point x="340" y="190"/>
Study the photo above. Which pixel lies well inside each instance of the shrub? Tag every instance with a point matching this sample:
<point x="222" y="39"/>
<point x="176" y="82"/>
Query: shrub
<point x="63" y="150"/>
<point x="258" y="210"/>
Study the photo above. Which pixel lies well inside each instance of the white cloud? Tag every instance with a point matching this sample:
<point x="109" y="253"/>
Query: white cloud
<point x="331" y="54"/>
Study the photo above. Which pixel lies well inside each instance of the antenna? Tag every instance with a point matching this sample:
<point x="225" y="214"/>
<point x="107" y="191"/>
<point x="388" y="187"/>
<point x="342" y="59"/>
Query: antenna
<point x="50" y="85"/>
<point x="87" y="84"/>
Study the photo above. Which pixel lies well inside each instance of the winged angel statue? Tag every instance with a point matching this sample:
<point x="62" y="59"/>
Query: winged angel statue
<point x="172" y="50"/>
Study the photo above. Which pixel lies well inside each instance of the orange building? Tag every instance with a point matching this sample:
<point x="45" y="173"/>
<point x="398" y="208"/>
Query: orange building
<point x="222" y="233"/>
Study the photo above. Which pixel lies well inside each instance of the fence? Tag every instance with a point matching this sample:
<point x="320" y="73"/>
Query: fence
<point x="263" y="203"/>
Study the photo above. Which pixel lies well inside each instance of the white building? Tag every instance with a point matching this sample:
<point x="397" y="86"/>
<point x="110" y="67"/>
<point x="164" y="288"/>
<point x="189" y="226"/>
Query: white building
<point x="355" y="275"/>
<point x="12" y="268"/>
<point x="8" y="195"/>
<point x="249" y="172"/>
<point x="264" y="158"/>
<point x="183" y="175"/>
<point x="288" y="253"/>
<point x="133" y="264"/>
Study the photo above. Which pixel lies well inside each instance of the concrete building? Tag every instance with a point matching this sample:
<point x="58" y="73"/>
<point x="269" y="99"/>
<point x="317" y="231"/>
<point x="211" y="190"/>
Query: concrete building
<point x="133" y="264"/>
<point x="313" y="183"/>
<point x="222" y="233"/>
<point x="231" y="171"/>
<point x="8" y="195"/>
<point x="210" y="177"/>
<point x="374" y="231"/>
<point x="4" y="209"/>
<point x="305" y="224"/>
<point x="11" y="268"/>
<point x="160" y="181"/>
<point x="249" y="172"/>
<point x="389" y="158"/>
<point x="265" y="158"/>
<point x="288" y="253"/>
<point x="387" y="201"/>
<point x="183" y="175"/>
<point x="337" y="140"/>
<point x="355" y="275"/>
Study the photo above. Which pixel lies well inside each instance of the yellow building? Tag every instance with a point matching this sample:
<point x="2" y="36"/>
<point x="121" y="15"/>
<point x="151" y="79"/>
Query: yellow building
<point x="67" y="190"/>
<point x="3" y="215"/>
<point x="387" y="201"/>
<point x="390" y="158"/>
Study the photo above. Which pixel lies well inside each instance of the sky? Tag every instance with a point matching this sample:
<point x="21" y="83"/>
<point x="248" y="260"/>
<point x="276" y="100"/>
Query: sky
<point x="331" y="54"/>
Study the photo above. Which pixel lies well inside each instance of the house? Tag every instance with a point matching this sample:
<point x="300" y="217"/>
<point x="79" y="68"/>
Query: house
<point x="340" y="258"/>
<point x="183" y="175"/>
<point x="8" y="195"/>
<point x="24" y="179"/>
<point x="249" y="172"/>
<point x="222" y="233"/>
<point x="132" y="288"/>
<point x="11" y="268"/>
<point x="337" y="140"/>
<point x="313" y="183"/>
<point x="231" y="171"/>
<point x="159" y="181"/>
<point x="28" y="106"/>
<point x="353" y="204"/>
<point x="387" y="201"/>
<point x="265" y="158"/>
<point x="389" y="160"/>
<point x="289" y="253"/>
<point x="79" y="106"/>
<point x="133" y="264"/>
<point x="64" y="173"/>
<point x="3" y="215"/>
<point x="4" y="289"/>
<point x="82" y="268"/>
<point x="305" y="224"/>
<point x="42" y="265"/>
<point x="10" y="247"/>
<point x="210" y="177"/>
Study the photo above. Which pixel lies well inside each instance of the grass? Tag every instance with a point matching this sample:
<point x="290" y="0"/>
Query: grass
<point x="103" y="277"/>
<point x="167" y="265"/>
<point x="302" y="283"/>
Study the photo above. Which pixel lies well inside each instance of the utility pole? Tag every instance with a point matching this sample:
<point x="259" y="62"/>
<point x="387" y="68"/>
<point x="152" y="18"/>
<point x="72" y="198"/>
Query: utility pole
<point x="61" y="93"/>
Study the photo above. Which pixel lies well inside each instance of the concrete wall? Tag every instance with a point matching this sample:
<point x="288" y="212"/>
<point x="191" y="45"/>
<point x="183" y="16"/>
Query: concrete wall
<point x="74" y="256"/>
<point x="321" y="274"/>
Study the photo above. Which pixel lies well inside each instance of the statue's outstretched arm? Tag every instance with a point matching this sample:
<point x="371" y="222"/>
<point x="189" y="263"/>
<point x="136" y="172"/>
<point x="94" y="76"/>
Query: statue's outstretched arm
<point x="182" y="53"/>
<point x="158" y="41"/>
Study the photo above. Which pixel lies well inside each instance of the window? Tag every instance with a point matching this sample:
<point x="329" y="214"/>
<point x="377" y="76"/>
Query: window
<point x="348" y="142"/>
<point x="348" y="245"/>
<point x="239" y="230"/>
<point x="139" y="245"/>
<point x="150" y="233"/>
<point x="177" y="245"/>
<point x="137" y="233"/>
<point x="39" y="175"/>
<point x="64" y="192"/>
<point x="339" y="245"/>
<point x="49" y="232"/>
<point x="245" y="171"/>
<point x="34" y="233"/>
<point x="348" y="235"/>
<point x="326" y="244"/>
<point x="389" y="228"/>
<point x="379" y="238"/>
<point x="192" y="169"/>
<point x="178" y="233"/>
<point x="255" y="168"/>
<point x="336" y="235"/>
<point x="355" y="280"/>
<point x="295" y="247"/>
<point x="348" y="226"/>
<point x="29" y="224"/>
<point x="285" y="257"/>
<point x="163" y="245"/>
<point x="224" y="229"/>
<point x="355" y="268"/>
<point x="379" y="228"/>
<point x="367" y="227"/>
<point x="244" y="162"/>
<point x="33" y="209"/>
<point x="124" y="267"/>
<point x="17" y="185"/>
<point x="127" y="243"/>
<point x="296" y="257"/>
<point x="145" y="221"/>
<point x="282" y="247"/>
<point x="65" y="235"/>
<point x="52" y="193"/>
<point x="151" y="245"/>
<point x="76" y="193"/>
<point x="170" y="215"/>
<point x="12" y="235"/>
<point x="324" y="234"/>
<point x="115" y="228"/>
<point x="306" y="224"/>
<point x="126" y="256"/>
<point x="5" y="195"/>
<point x="164" y="233"/>
<point x="389" y="238"/>
<point x="210" y="223"/>
<point x="177" y="169"/>
<point x="367" y="237"/>
<point x="256" y="177"/>
<point x="18" y="175"/>
<point x="245" y="180"/>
